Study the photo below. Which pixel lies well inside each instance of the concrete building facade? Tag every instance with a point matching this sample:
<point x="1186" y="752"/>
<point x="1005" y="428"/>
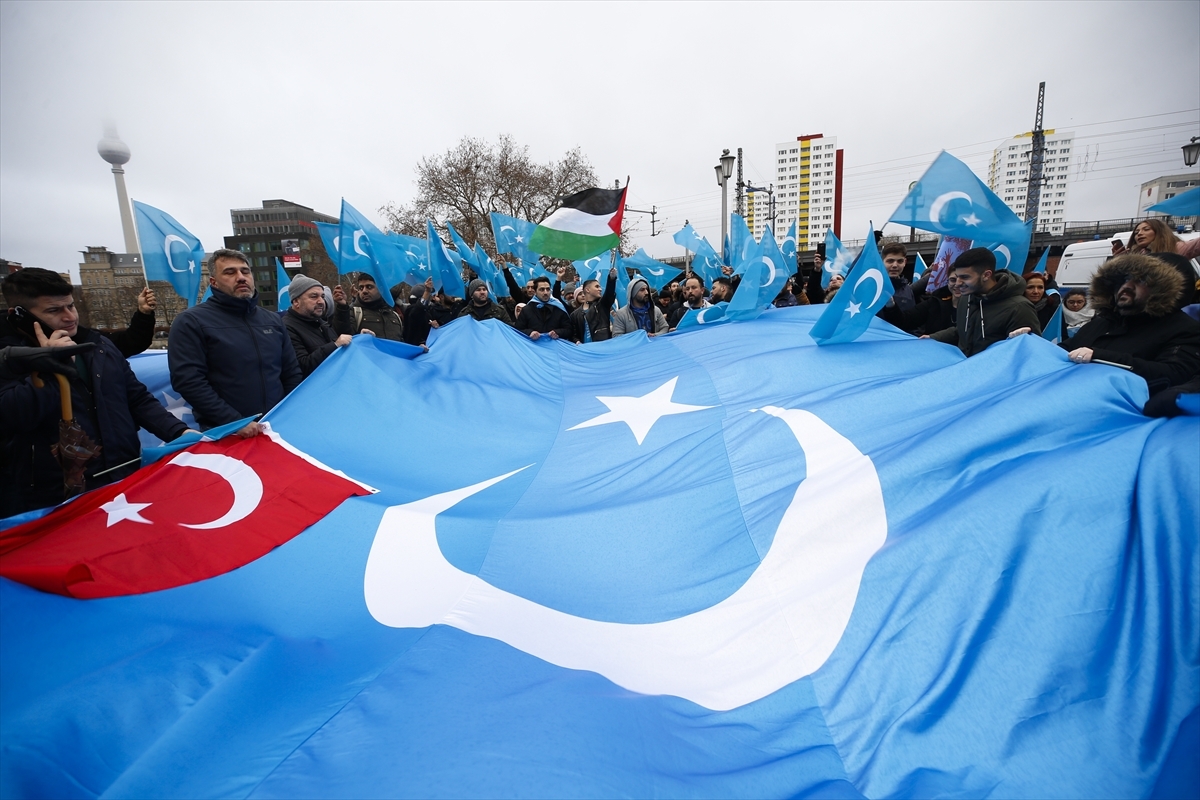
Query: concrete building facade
<point x="1163" y="188"/>
<point x="807" y="184"/>
<point x="1008" y="177"/>
<point x="279" y="228"/>
<point x="110" y="283"/>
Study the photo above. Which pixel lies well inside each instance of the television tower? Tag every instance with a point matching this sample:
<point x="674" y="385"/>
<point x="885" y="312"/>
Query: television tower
<point x="116" y="152"/>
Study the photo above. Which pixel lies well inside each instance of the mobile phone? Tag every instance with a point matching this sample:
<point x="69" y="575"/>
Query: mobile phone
<point x="23" y="320"/>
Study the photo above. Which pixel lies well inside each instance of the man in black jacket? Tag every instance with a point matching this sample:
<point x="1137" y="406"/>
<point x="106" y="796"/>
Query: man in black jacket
<point x="1137" y="323"/>
<point x="592" y="321"/>
<point x="312" y="338"/>
<point x="229" y="358"/>
<point x="544" y="315"/>
<point x="480" y="307"/>
<point x="107" y="400"/>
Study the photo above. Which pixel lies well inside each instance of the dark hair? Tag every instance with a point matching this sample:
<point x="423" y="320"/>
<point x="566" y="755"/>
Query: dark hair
<point x="590" y="280"/>
<point x="540" y="279"/>
<point x="723" y="281"/>
<point x="225" y="252"/>
<point x="894" y="247"/>
<point x="977" y="259"/>
<point x="365" y="276"/>
<point x="1078" y="291"/>
<point x="693" y="277"/>
<point x="26" y="285"/>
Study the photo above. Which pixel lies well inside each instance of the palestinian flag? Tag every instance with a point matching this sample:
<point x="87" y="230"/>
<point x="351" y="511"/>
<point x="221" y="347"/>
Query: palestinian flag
<point x="585" y="225"/>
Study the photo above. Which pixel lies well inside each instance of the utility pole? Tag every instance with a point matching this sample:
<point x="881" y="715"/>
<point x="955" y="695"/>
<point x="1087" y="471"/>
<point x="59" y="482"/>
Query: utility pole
<point x="770" y="190"/>
<point x="1037" y="158"/>
<point x="652" y="212"/>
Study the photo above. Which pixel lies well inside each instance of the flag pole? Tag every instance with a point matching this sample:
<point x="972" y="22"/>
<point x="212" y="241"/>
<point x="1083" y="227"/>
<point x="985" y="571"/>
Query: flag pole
<point x="137" y="237"/>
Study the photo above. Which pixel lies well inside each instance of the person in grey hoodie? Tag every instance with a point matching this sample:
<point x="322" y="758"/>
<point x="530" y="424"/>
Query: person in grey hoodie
<point x="639" y="313"/>
<point x="993" y="304"/>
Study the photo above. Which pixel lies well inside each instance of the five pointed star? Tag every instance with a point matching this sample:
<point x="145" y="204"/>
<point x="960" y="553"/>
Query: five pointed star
<point x="854" y="308"/>
<point x="640" y="413"/>
<point x="119" y="509"/>
<point x="971" y="219"/>
<point x="175" y="405"/>
<point x="520" y="238"/>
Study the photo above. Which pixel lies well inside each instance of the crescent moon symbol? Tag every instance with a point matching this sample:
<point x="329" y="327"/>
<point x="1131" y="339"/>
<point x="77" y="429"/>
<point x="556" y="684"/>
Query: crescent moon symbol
<point x="770" y="265"/>
<point x="782" y="624"/>
<point x="508" y="228"/>
<point x="247" y="486"/>
<point x="336" y="243"/>
<point x="1007" y="255"/>
<point x="167" y="249"/>
<point x="360" y="234"/>
<point x="874" y="275"/>
<point x="935" y="208"/>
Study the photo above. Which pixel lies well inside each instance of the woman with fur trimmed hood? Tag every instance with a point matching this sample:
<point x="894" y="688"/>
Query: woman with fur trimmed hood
<point x="1137" y="322"/>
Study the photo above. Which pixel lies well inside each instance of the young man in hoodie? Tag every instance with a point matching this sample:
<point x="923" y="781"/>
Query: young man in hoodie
<point x="372" y="314"/>
<point x="480" y="307"/>
<point x="992" y="304"/>
<point x="639" y="313"/>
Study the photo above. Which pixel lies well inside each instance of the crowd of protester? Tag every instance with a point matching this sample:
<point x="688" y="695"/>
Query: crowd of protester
<point x="230" y="359"/>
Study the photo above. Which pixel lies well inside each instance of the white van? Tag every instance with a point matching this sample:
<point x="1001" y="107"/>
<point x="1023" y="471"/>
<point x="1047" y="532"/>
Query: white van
<point x="1081" y="260"/>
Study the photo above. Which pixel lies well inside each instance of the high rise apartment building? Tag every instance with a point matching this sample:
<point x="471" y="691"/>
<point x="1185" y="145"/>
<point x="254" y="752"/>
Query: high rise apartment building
<point x="807" y="190"/>
<point x="1008" y="177"/>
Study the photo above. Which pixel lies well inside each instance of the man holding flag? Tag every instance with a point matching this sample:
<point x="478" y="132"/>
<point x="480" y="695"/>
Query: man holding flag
<point x="993" y="304"/>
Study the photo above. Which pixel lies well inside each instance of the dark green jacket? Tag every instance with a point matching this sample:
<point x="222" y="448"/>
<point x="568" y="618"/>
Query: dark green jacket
<point x="983" y="320"/>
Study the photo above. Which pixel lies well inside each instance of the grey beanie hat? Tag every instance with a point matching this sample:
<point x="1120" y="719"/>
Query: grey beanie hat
<point x="473" y="285"/>
<point x="301" y="284"/>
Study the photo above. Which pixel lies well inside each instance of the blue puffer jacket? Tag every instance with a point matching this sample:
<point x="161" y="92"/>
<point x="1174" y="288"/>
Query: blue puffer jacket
<point x="110" y="407"/>
<point x="231" y="359"/>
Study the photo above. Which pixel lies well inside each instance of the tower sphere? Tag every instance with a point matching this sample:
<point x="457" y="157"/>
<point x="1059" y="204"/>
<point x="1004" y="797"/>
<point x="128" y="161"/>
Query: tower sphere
<point x="113" y="150"/>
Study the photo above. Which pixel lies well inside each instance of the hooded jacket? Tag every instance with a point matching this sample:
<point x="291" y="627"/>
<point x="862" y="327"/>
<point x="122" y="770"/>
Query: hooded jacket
<point x="110" y="405"/>
<point x="1160" y="343"/>
<point x="231" y="359"/>
<point x="625" y="321"/>
<point x="983" y="320"/>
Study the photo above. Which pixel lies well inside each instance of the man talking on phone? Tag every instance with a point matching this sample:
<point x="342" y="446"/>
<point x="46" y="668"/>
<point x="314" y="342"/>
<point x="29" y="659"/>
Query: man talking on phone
<point x="107" y="400"/>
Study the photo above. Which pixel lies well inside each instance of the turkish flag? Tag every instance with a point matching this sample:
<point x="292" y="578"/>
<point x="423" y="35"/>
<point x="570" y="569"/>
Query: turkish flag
<point x="202" y="512"/>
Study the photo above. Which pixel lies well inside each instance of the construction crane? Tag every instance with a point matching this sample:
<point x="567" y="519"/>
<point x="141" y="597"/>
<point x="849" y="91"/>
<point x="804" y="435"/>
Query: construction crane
<point x="1037" y="157"/>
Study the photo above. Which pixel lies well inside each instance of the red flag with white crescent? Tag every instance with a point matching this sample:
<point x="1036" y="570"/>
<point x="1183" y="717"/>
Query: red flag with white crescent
<point x="207" y="510"/>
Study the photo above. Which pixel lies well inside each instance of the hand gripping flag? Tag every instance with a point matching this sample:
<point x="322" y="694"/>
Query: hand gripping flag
<point x="203" y="512"/>
<point x="866" y="290"/>
<point x="282" y="283"/>
<point x="586" y="224"/>
<point x="169" y="251"/>
<point x="833" y="628"/>
<point x="949" y="199"/>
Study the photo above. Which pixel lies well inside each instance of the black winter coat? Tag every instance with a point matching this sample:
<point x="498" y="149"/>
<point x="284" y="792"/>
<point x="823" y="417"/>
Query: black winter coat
<point x="543" y="320"/>
<point x="312" y="340"/>
<point x="137" y="337"/>
<point x="231" y="359"/>
<point x="110" y="406"/>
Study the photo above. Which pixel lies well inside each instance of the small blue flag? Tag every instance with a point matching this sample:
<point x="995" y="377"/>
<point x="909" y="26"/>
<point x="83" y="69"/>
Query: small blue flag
<point x="512" y="236"/>
<point x="764" y="274"/>
<point x="447" y="275"/>
<point x="330" y="238"/>
<point x="414" y="257"/>
<point x="741" y="240"/>
<point x="169" y="251"/>
<point x="704" y="316"/>
<point x="487" y="272"/>
<point x="1041" y="265"/>
<point x="1011" y="248"/>
<point x="951" y="200"/>
<point x="919" y="268"/>
<point x="594" y="267"/>
<point x="687" y="238"/>
<point x="207" y="293"/>
<point x="282" y="284"/>
<point x="656" y="273"/>
<point x="365" y="248"/>
<point x="465" y="251"/>
<point x="866" y="290"/>
<point x="789" y="249"/>
<point x="838" y="260"/>
<point x="1053" y="331"/>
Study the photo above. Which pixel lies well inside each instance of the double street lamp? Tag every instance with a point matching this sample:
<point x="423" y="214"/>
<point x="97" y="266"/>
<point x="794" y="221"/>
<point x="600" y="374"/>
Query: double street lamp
<point x="724" y="170"/>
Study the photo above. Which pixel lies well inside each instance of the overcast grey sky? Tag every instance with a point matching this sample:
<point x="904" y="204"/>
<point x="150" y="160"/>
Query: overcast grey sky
<point x="226" y="104"/>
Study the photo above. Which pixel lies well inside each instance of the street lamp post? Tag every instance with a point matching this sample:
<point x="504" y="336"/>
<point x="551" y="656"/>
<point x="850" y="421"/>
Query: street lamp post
<point x="1191" y="151"/>
<point x="724" y="171"/>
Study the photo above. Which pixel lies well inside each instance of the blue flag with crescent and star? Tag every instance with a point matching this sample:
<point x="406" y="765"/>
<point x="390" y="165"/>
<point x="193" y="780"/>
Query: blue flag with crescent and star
<point x="330" y="239"/>
<point x="444" y="264"/>
<point x="866" y="290"/>
<point x="362" y="247"/>
<point x="512" y="236"/>
<point x="764" y="274"/>
<point x="656" y="273"/>
<point x="1011" y="248"/>
<point x="706" y="262"/>
<point x="169" y="251"/>
<point x="413" y="253"/>
<point x="533" y="613"/>
<point x="951" y="200"/>
<point x="594" y="268"/>
<point x="838" y="260"/>
<point x="788" y="248"/>
<point x="283" y="295"/>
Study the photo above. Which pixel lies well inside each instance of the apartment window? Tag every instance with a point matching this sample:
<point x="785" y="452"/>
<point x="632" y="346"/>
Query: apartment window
<point x="793" y="150"/>
<point x="1011" y="173"/>
<point x="792" y="160"/>
<point x="782" y="161"/>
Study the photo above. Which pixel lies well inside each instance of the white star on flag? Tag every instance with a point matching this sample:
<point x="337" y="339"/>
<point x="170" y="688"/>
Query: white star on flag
<point x="121" y="509"/>
<point x="175" y="405"/>
<point x="640" y="413"/>
<point x="854" y="308"/>
<point x="971" y="219"/>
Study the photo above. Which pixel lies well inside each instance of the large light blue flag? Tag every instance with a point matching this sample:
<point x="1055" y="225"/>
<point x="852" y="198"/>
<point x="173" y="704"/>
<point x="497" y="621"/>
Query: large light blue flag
<point x="866" y="290"/>
<point x="741" y="241"/>
<point x="656" y="273"/>
<point x="414" y="257"/>
<point x="282" y="283"/>
<point x="1186" y="204"/>
<point x="444" y="263"/>
<point x="687" y="238"/>
<point x="1011" y="248"/>
<point x="331" y="239"/>
<point x="951" y="200"/>
<point x="833" y="628"/>
<point x="169" y="251"/>
<point x="362" y="247"/>
<point x="764" y="274"/>
<point x="838" y="260"/>
<point x="512" y="236"/>
<point x="1043" y="260"/>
